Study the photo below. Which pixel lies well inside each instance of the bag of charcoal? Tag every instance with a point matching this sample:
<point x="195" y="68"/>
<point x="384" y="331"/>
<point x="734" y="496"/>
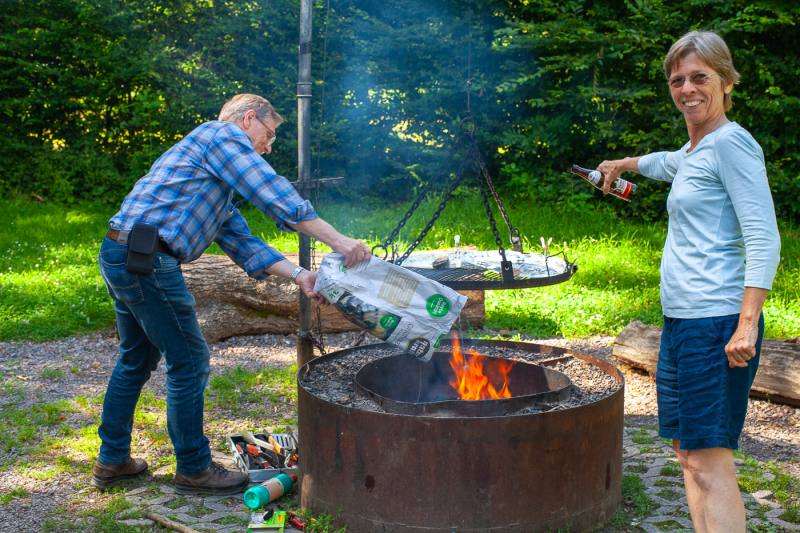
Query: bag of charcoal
<point x="393" y="303"/>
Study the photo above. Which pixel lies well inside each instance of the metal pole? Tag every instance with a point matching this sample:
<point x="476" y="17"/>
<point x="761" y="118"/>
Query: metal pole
<point x="305" y="348"/>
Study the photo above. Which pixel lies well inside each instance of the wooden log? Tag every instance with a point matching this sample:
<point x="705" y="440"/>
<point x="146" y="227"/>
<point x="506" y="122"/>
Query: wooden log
<point x="778" y="377"/>
<point x="229" y="303"/>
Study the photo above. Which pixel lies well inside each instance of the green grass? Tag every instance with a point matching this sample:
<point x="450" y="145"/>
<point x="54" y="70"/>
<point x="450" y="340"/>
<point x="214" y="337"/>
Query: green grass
<point x="48" y="440"/>
<point x="637" y="468"/>
<point x="53" y="374"/>
<point x="786" y="488"/>
<point x="49" y="280"/>
<point x="103" y="519"/>
<point x="23" y="428"/>
<point x="13" y="494"/>
<point x="642" y="436"/>
<point x="317" y="523"/>
<point x="238" y="386"/>
<point x="636" y="504"/>
<point x="50" y="286"/>
<point x="671" y="469"/>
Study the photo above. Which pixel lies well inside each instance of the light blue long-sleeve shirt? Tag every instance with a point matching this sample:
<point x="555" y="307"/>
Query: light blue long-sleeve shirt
<point x="722" y="234"/>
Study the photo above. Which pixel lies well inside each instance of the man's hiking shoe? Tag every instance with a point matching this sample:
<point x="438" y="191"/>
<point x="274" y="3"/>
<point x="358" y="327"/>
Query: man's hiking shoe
<point x="104" y="476"/>
<point x="213" y="480"/>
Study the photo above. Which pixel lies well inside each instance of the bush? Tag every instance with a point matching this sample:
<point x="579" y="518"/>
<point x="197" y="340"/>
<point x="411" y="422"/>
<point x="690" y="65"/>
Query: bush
<point x="62" y="176"/>
<point x="398" y="88"/>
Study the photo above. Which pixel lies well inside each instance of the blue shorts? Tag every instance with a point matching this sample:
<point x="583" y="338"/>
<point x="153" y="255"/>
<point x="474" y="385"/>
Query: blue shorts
<point x="702" y="402"/>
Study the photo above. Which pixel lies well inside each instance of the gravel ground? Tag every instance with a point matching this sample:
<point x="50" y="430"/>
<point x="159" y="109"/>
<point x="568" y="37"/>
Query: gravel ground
<point x="333" y="380"/>
<point x="45" y="372"/>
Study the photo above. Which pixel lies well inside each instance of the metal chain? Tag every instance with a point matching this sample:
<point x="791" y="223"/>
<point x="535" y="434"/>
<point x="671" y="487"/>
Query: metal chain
<point x="488" y="207"/>
<point x="514" y="237"/>
<point x="317" y="338"/>
<point x="390" y="240"/>
<point x="442" y="204"/>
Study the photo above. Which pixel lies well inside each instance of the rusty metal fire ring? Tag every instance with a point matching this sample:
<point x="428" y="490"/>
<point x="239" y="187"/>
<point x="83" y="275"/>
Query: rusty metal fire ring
<point x="557" y="469"/>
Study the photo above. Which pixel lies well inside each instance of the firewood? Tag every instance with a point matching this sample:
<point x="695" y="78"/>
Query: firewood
<point x="778" y="377"/>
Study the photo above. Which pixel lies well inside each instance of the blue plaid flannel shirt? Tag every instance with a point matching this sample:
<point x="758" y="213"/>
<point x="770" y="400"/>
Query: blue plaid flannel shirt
<point x="188" y="194"/>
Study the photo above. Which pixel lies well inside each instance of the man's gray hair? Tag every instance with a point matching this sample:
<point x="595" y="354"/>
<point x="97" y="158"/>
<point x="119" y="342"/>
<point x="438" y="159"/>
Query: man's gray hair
<point x="711" y="50"/>
<point x="235" y="108"/>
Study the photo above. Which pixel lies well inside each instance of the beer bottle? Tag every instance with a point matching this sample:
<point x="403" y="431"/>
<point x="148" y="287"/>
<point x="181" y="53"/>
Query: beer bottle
<point x="620" y="188"/>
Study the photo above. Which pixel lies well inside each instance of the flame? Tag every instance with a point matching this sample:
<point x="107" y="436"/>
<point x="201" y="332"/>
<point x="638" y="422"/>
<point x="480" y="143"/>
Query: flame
<point x="469" y="379"/>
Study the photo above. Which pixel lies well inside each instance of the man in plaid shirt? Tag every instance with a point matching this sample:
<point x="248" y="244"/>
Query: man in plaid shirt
<point x="186" y="199"/>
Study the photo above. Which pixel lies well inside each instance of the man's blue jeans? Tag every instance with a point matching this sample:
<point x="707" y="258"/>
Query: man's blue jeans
<point x="155" y="317"/>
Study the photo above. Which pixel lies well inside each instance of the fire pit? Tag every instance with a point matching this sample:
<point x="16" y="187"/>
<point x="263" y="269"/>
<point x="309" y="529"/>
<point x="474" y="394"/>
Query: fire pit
<point x="389" y="446"/>
<point x="400" y="384"/>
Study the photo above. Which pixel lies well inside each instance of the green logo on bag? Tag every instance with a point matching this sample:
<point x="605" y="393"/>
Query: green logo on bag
<point x="437" y="306"/>
<point x="389" y="322"/>
<point x="438" y="341"/>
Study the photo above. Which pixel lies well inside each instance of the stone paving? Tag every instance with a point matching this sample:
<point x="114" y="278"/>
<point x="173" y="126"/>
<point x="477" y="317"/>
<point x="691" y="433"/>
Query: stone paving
<point x="653" y="460"/>
<point x="645" y="455"/>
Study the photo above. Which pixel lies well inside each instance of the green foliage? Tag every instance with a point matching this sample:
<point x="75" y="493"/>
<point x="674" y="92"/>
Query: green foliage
<point x="786" y="488"/>
<point x="591" y="86"/>
<point x="635" y="502"/>
<point x="94" y="91"/>
<point x="22" y="427"/>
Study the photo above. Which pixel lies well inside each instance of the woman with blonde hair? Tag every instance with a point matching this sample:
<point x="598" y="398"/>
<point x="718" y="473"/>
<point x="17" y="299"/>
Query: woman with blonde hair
<point x="719" y="261"/>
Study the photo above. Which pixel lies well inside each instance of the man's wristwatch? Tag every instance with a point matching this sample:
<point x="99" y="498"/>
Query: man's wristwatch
<point x="296" y="272"/>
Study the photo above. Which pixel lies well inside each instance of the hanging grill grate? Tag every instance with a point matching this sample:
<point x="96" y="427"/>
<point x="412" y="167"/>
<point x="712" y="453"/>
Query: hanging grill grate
<point x="467" y="279"/>
<point x="508" y="270"/>
<point x="549" y="270"/>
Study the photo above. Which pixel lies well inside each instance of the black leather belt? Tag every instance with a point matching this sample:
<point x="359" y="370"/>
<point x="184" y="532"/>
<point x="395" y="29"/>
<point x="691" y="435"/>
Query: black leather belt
<point x="122" y="238"/>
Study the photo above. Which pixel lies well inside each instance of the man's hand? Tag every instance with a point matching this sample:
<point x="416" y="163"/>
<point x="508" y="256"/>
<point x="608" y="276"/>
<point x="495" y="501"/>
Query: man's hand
<point x="305" y="280"/>
<point x="354" y="251"/>
<point x="742" y="345"/>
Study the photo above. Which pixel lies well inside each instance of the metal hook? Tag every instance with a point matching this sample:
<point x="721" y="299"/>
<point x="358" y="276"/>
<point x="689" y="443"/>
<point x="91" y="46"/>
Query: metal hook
<point x="380" y="247"/>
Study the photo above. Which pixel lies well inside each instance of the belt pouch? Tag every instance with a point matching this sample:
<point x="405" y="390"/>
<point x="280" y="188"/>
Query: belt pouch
<point x="142" y="244"/>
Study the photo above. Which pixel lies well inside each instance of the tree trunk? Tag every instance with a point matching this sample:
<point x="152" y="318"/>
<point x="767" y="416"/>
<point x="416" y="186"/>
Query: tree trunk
<point x="778" y="377"/>
<point x="230" y="303"/>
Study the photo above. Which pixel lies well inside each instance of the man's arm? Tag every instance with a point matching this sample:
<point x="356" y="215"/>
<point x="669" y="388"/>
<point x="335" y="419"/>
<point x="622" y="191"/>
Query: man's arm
<point x="354" y="251"/>
<point x="258" y="258"/>
<point x="233" y="160"/>
<point x="305" y="279"/>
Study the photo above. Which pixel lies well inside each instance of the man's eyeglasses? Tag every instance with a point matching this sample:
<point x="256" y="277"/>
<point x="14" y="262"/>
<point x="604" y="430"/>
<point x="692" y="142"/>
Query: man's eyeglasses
<point x="698" y="79"/>
<point x="271" y="135"/>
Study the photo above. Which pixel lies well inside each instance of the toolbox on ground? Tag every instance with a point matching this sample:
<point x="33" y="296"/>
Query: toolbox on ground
<point x="268" y="463"/>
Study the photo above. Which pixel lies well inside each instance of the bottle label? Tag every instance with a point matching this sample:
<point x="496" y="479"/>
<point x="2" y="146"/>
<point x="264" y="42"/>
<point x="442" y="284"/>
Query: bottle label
<point x="595" y="177"/>
<point x="275" y="488"/>
<point x="621" y="187"/>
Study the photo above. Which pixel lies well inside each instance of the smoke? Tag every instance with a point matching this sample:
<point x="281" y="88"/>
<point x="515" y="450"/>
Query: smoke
<point x="398" y="79"/>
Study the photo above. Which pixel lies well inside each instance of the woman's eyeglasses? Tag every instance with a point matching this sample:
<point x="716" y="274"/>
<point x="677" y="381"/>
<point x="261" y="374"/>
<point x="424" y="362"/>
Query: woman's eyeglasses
<point x="698" y="79"/>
